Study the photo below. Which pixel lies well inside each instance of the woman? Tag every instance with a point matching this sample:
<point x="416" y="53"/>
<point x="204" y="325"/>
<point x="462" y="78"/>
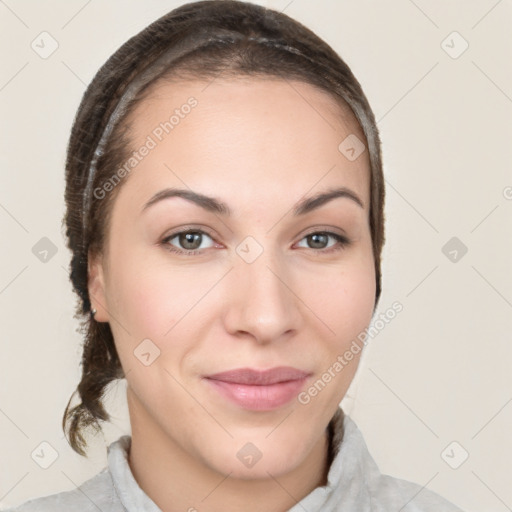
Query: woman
<point x="225" y="195"/>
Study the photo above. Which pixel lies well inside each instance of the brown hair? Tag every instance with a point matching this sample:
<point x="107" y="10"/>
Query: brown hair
<point x="214" y="37"/>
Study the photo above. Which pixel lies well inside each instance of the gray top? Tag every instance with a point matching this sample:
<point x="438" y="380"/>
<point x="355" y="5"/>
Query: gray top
<point x="355" y="484"/>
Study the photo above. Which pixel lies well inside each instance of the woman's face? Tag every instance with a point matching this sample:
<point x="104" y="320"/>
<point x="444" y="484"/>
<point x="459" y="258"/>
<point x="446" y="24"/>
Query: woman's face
<point x="252" y="288"/>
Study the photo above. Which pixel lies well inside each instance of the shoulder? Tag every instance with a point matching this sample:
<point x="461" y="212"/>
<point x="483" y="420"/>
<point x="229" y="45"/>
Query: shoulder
<point x="95" y="494"/>
<point x="388" y="491"/>
<point x="384" y="492"/>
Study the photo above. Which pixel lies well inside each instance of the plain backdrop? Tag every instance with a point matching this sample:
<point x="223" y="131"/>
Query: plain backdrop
<point x="434" y="385"/>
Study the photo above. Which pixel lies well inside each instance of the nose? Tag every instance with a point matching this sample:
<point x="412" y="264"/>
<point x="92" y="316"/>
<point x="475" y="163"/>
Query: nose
<point x="263" y="301"/>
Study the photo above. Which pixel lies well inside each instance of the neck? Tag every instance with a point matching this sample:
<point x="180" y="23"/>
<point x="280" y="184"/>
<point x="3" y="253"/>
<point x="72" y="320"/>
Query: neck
<point x="177" y="481"/>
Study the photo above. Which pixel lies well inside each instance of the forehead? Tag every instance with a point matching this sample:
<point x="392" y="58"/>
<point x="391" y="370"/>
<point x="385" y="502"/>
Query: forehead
<point x="245" y="136"/>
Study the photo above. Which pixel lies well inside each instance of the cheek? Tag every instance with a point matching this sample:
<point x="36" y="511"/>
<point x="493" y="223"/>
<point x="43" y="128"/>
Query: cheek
<point x="154" y="300"/>
<point x="151" y="303"/>
<point x="345" y="301"/>
<point x="157" y="300"/>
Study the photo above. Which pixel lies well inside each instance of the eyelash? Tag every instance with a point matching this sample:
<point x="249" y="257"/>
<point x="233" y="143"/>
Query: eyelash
<point x="343" y="242"/>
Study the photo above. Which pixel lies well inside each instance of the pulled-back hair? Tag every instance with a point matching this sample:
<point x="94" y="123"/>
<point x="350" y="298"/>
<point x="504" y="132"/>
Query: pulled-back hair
<point x="199" y="40"/>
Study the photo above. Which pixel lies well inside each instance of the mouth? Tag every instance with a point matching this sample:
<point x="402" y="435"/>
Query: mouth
<point x="259" y="390"/>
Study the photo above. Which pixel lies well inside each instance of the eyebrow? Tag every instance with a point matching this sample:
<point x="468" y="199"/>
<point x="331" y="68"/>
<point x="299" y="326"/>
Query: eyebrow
<point x="214" y="205"/>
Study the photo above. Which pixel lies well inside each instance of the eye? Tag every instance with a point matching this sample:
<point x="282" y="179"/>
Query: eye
<point x="190" y="242"/>
<point x="320" y="240"/>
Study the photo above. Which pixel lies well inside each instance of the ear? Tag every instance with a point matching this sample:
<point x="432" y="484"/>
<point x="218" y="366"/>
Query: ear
<point x="96" y="287"/>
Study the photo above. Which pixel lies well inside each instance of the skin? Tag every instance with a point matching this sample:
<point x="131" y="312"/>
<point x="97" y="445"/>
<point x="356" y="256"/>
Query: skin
<point x="260" y="146"/>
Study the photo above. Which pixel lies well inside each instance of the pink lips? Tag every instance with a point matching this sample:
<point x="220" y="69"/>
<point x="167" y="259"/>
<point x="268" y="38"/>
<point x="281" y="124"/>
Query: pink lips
<point x="259" y="390"/>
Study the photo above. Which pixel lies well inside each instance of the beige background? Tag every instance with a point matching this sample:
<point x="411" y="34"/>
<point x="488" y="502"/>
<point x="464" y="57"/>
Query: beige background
<point x="438" y="373"/>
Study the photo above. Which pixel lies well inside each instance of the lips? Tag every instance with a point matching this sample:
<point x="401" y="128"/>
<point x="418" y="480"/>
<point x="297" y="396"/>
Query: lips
<point x="258" y="390"/>
<point x="254" y="377"/>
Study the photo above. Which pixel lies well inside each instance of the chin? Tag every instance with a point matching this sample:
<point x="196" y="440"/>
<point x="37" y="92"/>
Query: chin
<point x="252" y="460"/>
